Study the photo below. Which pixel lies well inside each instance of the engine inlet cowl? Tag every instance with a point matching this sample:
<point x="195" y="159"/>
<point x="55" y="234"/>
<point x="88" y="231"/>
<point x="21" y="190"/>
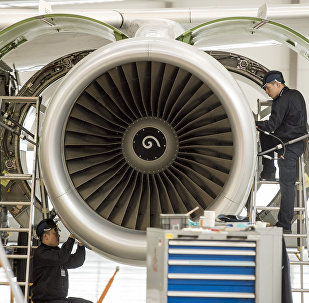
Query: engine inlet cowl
<point x="139" y="128"/>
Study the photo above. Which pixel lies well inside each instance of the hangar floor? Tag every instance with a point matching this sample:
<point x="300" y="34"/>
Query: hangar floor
<point x="129" y="284"/>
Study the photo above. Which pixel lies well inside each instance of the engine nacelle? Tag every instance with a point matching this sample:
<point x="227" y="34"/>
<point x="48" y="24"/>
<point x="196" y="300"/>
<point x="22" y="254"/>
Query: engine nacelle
<point x="142" y="127"/>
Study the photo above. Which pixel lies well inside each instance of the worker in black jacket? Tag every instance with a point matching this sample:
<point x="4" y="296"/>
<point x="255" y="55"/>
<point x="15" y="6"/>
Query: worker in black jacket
<point x="287" y="121"/>
<point x="51" y="264"/>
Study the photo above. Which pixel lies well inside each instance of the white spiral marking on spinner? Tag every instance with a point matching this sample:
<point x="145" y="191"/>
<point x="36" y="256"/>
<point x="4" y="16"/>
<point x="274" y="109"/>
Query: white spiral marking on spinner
<point x="148" y="144"/>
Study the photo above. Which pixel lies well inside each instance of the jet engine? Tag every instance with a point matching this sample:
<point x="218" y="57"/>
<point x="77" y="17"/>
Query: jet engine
<point x="139" y="128"/>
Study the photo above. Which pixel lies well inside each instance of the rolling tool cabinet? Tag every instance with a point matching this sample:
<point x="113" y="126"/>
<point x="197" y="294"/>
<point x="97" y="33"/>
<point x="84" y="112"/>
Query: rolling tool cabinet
<point x="197" y="266"/>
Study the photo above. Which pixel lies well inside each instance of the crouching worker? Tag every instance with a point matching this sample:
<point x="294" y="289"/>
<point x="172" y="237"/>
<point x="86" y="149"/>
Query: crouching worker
<point x="51" y="264"/>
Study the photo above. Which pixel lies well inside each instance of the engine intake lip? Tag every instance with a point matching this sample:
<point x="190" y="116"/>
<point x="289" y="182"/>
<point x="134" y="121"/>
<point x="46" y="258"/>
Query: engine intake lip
<point x="96" y="232"/>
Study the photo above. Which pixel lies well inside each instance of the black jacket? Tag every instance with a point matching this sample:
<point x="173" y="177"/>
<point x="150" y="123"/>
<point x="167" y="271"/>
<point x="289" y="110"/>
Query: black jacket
<point x="288" y="118"/>
<point x="50" y="270"/>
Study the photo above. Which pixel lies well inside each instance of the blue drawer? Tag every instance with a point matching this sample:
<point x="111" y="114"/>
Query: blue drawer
<point x="210" y="257"/>
<point x="208" y="300"/>
<point x="240" y="286"/>
<point x="236" y="270"/>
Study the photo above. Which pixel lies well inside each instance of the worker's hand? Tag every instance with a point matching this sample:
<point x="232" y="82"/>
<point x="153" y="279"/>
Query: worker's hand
<point x="281" y="157"/>
<point x="80" y="243"/>
<point x="71" y="236"/>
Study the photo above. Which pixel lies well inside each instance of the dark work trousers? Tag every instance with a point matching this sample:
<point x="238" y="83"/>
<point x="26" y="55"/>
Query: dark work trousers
<point x="286" y="290"/>
<point x="68" y="300"/>
<point x="268" y="142"/>
<point x="288" y="170"/>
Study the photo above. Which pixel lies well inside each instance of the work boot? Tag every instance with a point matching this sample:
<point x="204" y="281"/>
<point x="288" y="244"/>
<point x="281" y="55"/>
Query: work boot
<point x="284" y="230"/>
<point x="266" y="176"/>
<point x="287" y="231"/>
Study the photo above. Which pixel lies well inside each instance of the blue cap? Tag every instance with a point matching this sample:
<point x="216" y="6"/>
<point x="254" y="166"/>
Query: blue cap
<point x="45" y="225"/>
<point x="271" y="76"/>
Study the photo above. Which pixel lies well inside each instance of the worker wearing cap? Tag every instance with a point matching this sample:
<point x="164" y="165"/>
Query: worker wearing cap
<point x="287" y="121"/>
<point x="51" y="264"/>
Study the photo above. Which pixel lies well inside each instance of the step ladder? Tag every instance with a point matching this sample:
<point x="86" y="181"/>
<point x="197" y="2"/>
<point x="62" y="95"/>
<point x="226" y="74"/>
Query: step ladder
<point x="301" y="209"/>
<point x="33" y="139"/>
<point x="16" y="291"/>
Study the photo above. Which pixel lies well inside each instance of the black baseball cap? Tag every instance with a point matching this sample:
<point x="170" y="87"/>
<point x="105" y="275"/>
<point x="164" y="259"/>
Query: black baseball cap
<point x="45" y="225"/>
<point x="271" y="76"/>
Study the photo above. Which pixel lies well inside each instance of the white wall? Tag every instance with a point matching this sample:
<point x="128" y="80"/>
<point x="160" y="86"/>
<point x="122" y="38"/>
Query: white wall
<point x="217" y="3"/>
<point x="303" y="78"/>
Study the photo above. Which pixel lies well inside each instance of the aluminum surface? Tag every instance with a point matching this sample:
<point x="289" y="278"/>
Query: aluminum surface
<point x="97" y="233"/>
